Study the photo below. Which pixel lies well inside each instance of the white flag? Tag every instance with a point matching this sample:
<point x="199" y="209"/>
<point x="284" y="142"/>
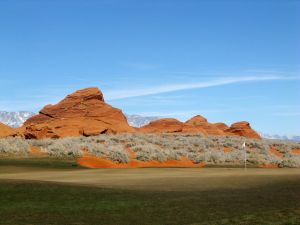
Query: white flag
<point x="244" y="145"/>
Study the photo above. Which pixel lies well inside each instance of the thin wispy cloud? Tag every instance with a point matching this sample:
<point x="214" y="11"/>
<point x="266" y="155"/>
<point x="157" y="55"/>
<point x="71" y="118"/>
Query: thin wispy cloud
<point x="286" y="114"/>
<point x="140" y="66"/>
<point x="122" y="94"/>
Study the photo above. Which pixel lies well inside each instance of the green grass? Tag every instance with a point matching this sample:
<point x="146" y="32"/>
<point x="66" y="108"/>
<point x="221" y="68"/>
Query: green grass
<point x="44" y="162"/>
<point x="49" y="203"/>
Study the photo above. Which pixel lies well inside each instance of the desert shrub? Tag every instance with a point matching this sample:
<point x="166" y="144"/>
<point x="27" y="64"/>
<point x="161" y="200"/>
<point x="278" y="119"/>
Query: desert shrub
<point x="286" y="146"/>
<point x="162" y="147"/>
<point x="66" y="147"/>
<point x="273" y="159"/>
<point x="293" y="162"/>
<point x="117" y="153"/>
<point x="256" y="158"/>
<point x="44" y="143"/>
<point x="150" y="152"/>
<point x="175" y="155"/>
<point x="137" y="148"/>
<point x="100" y="139"/>
<point x="114" y="139"/>
<point x="197" y="158"/>
<point x="130" y="144"/>
<point x="217" y="157"/>
<point x="234" y="157"/>
<point x="12" y="146"/>
<point x="114" y="152"/>
<point x="95" y="148"/>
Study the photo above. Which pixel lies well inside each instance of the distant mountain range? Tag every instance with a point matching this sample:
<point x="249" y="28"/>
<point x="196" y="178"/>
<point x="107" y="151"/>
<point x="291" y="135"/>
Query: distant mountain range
<point x="139" y="121"/>
<point x="281" y="137"/>
<point x="16" y="119"/>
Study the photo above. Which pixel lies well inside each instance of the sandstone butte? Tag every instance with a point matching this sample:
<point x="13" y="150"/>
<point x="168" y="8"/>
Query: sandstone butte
<point x="82" y="113"/>
<point x="243" y="129"/>
<point x="5" y="131"/>
<point x="199" y="124"/>
<point x="85" y="113"/>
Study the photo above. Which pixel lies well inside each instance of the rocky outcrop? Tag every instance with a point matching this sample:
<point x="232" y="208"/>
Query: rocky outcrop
<point x="81" y="113"/>
<point x="243" y="129"/>
<point x="5" y="130"/>
<point x="221" y="126"/>
<point x="196" y="121"/>
<point x="167" y="125"/>
<point x="85" y="113"/>
<point x="197" y="124"/>
<point x="200" y="125"/>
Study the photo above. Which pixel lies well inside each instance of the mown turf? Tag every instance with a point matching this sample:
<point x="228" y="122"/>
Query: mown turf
<point x="44" y="162"/>
<point x="49" y="203"/>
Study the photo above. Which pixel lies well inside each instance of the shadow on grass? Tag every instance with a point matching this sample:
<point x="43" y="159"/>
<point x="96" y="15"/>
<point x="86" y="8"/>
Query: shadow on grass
<point x="44" y="162"/>
<point x="50" y="203"/>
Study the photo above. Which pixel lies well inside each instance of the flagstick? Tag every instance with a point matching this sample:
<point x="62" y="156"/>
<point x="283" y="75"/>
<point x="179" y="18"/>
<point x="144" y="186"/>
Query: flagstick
<point x="245" y="160"/>
<point x="245" y="156"/>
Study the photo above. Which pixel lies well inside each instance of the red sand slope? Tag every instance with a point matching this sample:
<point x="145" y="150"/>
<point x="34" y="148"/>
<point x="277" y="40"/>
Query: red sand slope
<point x="90" y="161"/>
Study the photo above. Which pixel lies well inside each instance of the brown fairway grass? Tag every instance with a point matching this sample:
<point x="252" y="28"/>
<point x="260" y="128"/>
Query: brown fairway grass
<point x="160" y="179"/>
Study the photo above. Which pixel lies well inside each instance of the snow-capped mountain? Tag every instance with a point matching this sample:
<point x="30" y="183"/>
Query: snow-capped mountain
<point x="139" y="121"/>
<point x="14" y="119"/>
<point x="281" y="137"/>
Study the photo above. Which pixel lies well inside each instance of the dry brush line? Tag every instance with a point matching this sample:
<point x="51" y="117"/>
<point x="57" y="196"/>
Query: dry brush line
<point x="215" y="150"/>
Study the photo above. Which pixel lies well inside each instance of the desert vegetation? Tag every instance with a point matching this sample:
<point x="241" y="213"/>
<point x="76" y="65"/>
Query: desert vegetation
<point x="213" y="150"/>
<point x="14" y="146"/>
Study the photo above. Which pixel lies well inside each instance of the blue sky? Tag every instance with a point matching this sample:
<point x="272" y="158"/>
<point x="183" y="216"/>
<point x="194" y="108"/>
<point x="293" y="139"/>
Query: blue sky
<point x="227" y="60"/>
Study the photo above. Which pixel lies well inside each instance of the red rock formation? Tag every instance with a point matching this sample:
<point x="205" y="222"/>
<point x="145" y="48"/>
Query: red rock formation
<point x="81" y="113"/>
<point x="197" y="124"/>
<point x="168" y="125"/>
<point x="190" y="129"/>
<point x="200" y="124"/>
<point x="196" y="120"/>
<point x="221" y="126"/>
<point x="86" y="113"/>
<point x="5" y="130"/>
<point x="243" y="129"/>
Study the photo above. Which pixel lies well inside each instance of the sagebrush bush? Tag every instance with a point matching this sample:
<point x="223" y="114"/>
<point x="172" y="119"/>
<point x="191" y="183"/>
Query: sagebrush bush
<point x="162" y="147"/>
<point x="67" y="147"/>
<point x="14" y="146"/>
<point x="117" y="153"/>
<point x="291" y="162"/>
<point x="150" y="152"/>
